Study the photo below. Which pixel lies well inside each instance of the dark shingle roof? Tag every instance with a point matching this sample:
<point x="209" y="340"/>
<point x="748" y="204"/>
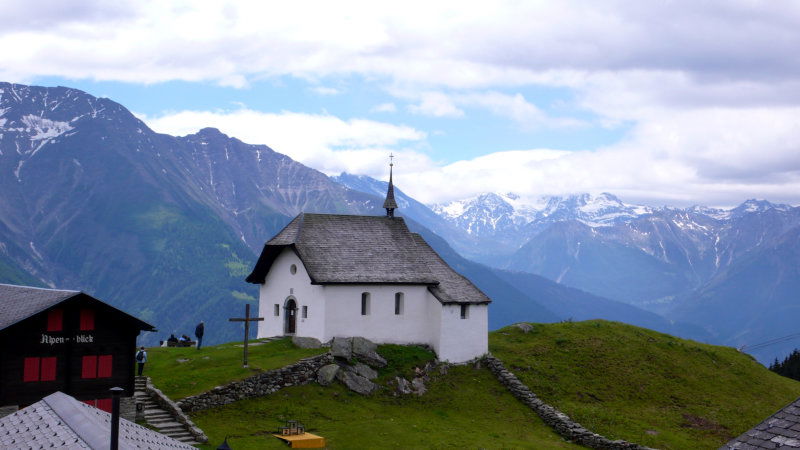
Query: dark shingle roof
<point x="20" y="302"/>
<point x="365" y="249"/>
<point x="59" y="420"/>
<point x="17" y="303"/>
<point x="453" y="287"/>
<point x="781" y="430"/>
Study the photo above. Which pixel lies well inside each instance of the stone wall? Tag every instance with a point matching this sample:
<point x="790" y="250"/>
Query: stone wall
<point x="127" y="408"/>
<point x="259" y="385"/>
<point x="175" y="411"/>
<point x="557" y="420"/>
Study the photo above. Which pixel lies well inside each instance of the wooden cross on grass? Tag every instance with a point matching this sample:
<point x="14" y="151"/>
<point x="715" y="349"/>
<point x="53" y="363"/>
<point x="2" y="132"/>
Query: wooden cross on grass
<point x="247" y="319"/>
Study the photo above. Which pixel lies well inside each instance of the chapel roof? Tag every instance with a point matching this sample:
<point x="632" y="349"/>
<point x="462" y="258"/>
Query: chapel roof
<point x="347" y="249"/>
<point x="17" y="303"/>
<point x="60" y="420"/>
<point x="779" y="430"/>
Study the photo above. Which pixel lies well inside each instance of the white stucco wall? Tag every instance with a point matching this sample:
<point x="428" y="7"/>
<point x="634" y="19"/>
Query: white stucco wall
<point x="463" y="339"/>
<point x="343" y="314"/>
<point x="280" y="285"/>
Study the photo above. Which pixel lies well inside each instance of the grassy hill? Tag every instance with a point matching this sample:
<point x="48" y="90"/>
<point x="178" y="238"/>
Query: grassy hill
<point x="619" y="380"/>
<point x="464" y="408"/>
<point x="643" y="386"/>
<point x="183" y="371"/>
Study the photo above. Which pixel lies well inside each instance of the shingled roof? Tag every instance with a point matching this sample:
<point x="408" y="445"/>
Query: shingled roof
<point x="17" y="303"/>
<point x="780" y="430"/>
<point x="344" y="249"/>
<point x="453" y="287"/>
<point x="20" y="302"/>
<point x="59" y="420"/>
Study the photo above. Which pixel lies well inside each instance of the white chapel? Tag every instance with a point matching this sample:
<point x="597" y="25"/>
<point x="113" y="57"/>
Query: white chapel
<point x="330" y="275"/>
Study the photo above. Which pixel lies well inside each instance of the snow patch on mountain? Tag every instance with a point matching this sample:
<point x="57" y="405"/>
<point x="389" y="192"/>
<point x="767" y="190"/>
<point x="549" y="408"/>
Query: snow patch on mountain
<point x="41" y="128"/>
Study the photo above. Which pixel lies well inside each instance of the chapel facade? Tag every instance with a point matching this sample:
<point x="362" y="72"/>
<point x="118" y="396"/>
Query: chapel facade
<point x="331" y="275"/>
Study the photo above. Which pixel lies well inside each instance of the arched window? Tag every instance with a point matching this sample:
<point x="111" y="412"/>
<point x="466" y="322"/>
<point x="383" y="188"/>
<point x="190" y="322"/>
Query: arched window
<point x="398" y="303"/>
<point x="365" y="303"/>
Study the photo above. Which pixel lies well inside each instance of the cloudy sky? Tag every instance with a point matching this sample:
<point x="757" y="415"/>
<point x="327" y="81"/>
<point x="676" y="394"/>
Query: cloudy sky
<point x="659" y="102"/>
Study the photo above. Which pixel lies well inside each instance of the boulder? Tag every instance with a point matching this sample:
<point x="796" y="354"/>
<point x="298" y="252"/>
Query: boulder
<point x="373" y="360"/>
<point x="356" y="382"/>
<point x="418" y="386"/>
<point x="365" y="371"/>
<point x="525" y="327"/>
<point x="342" y="348"/>
<point x="326" y="374"/>
<point x="306" y="342"/>
<point x="363" y="346"/>
<point x="403" y="386"/>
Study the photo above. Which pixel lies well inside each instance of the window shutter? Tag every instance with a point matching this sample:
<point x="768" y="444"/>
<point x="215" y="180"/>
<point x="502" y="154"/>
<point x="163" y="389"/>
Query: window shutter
<point x="104" y="366"/>
<point x="89" y="367"/>
<point x="104" y="404"/>
<point x="55" y="320"/>
<point x="31" y="370"/>
<point x="49" y="368"/>
<point x="87" y="320"/>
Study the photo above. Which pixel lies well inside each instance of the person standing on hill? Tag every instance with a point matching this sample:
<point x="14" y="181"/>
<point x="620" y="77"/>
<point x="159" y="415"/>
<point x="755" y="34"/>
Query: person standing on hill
<point x="198" y="332"/>
<point x="141" y="358"/>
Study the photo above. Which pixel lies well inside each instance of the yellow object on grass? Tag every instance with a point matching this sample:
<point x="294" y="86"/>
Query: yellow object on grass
<point x="305" y="440"/>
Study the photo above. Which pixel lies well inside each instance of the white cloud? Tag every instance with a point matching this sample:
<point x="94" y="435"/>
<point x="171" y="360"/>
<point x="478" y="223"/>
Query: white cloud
<point x="714" y="156"/>
<point x="709" y="90"/>
<point x="436" y="104"/>
<point x="322" y="90"/>
<point x="324" y="142"/>
<point x="388" y="107"/>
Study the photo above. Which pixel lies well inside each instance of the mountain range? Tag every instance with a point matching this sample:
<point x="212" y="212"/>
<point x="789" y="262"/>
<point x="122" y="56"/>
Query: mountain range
<point x="734" y="272"/>
<point x="167" y="227"/>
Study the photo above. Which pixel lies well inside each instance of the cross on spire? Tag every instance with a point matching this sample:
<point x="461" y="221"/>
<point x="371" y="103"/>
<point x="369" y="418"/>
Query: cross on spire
<point x="390" y="204"/>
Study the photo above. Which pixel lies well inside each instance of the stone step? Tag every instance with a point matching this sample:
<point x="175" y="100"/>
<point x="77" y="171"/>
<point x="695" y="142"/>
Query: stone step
<point x="162" y="421"/>
<point x="169" y="424"/>
<point x="173" y="431"/>
<point x="155" y="417"/>
<point x="185" y="436"/>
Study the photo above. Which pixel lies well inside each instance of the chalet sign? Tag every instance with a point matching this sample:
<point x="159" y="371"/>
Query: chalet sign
<point x="78" y="339"/>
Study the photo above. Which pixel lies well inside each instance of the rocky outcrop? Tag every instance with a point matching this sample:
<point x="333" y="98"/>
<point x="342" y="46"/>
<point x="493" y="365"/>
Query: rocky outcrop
<point x="557" y="420"/>
<point x="355" y="359"/>
<point x="301" y="372"/>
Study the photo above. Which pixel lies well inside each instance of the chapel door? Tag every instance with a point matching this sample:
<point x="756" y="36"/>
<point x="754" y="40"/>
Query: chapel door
<point x="290" y="317"/>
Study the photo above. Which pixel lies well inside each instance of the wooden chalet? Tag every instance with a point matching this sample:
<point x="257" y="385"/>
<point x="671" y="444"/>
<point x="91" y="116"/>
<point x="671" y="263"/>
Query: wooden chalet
<point x="56" y="340"/>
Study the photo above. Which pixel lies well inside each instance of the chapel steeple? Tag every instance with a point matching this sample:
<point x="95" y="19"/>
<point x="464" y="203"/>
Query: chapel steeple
<point x="390" y="204"/>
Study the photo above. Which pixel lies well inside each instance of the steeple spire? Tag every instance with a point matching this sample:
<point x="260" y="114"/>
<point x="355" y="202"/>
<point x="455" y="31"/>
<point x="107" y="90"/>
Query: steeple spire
<point x="390" y="204"/>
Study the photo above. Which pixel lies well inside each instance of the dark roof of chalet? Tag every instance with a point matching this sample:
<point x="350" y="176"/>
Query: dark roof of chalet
<point x="780" y="430"/>
<point x="17" y="303"/>
<point x="59" y="420"/>
<point x="344" y="249"/>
